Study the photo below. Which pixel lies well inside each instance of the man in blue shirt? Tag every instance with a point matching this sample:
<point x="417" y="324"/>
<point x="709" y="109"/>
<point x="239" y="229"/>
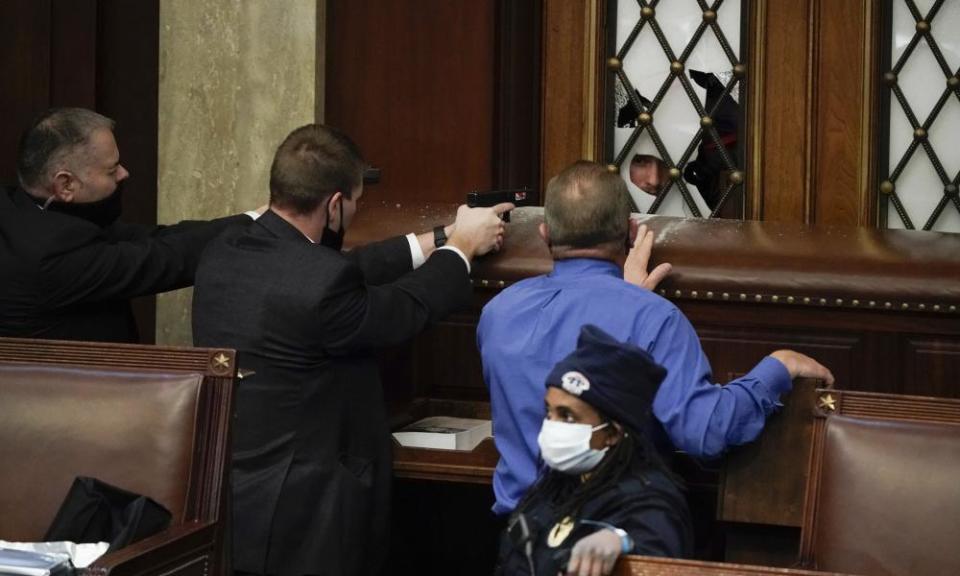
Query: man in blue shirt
<point x="533" y="324"/>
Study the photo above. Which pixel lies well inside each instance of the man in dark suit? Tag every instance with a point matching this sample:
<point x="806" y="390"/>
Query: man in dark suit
<point x="68" y="267"/>
<point x="311" y="458"/>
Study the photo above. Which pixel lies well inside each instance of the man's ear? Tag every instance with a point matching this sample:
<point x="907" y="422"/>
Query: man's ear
<point x="333" y="210"/>
<point x="64" y="186"/>
<point x="633" y="231"/>
<point x="544" y="233"/>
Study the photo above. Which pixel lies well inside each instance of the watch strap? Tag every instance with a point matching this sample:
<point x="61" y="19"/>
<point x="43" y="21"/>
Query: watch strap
<point x="626" y="542"/>
<point x="439" y="236"/>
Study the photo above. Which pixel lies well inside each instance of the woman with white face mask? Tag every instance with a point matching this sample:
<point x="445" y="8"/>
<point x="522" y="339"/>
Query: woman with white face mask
<point x="603" y="491"/>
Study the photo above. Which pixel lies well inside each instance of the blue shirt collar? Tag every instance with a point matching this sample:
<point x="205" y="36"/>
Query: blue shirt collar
<point x="584" y="267"/>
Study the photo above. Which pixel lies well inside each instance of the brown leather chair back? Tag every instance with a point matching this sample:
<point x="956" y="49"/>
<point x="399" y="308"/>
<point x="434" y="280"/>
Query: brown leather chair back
<point x="132" y="430"/>
<point x="148" y="419"/>
<point x="883" y="496"/>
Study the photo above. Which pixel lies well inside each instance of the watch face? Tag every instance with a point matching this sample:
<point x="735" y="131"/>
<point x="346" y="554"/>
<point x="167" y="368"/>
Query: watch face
<point x="439" y="236"/>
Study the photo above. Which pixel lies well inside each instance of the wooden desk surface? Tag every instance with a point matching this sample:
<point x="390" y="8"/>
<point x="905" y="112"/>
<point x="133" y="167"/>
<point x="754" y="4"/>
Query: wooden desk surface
<point x="647" y="566"/>
<point x="474" y="466"/>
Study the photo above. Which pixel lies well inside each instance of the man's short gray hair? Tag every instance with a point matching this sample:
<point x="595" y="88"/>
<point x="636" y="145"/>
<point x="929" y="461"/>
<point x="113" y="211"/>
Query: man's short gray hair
<point x="587" y="206"/>
<point x="52" y="141"/>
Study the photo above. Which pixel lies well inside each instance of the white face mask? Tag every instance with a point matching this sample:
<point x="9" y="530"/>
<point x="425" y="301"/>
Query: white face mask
<point x="565" y="447"/>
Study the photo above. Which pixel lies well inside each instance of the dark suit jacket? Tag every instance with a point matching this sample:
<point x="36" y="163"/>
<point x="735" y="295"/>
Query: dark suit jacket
<point x="644" y="502"/>
<point x="311" y="460"/>
<point x="64" y="278"/>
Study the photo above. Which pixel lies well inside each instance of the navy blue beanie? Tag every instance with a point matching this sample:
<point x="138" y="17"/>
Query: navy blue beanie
<point x="618" y="379"/>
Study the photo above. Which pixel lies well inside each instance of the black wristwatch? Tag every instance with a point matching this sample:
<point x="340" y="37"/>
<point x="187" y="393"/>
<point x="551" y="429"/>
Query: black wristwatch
<point x="439" y="236"/>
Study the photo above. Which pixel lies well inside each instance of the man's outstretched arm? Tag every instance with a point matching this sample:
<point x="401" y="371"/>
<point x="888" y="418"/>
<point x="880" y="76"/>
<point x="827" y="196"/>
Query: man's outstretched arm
<point x="705" y="419"/>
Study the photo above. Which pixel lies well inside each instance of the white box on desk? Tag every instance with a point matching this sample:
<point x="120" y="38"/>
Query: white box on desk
<point x="445" y="433"/>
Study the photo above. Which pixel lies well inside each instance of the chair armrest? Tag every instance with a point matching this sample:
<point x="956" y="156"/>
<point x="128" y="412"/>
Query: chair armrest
<point x="175" y="547"/>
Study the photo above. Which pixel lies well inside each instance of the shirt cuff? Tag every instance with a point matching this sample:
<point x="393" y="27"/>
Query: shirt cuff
<point x="253" y="214"/>
<point x="416" y="252"/>
<point x="459" y="253"/>
<point x="774" y="375"/>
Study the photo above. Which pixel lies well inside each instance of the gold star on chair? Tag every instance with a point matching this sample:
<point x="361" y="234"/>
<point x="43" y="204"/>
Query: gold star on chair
<point x="827" y="402"/>
<point x="221" y="362"/>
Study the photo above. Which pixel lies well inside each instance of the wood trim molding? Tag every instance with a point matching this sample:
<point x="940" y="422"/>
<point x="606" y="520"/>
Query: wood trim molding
<point x="755" y="112"/>
<point x="781" y="72"/>
<point x="844" y="97"/>
<point x="211" y="362"/>
<point x="572" y="44"/>
<point x="650" y="566"/>
<point x="811" y="110"/>
<point x="870" y="114"/>
<point x="593" y="76"/>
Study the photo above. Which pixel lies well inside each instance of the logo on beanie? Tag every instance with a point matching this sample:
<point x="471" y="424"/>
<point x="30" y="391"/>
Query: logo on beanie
<point x="575" y="383"/>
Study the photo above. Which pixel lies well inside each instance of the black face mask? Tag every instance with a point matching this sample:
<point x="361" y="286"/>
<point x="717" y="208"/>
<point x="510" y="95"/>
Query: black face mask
<point x="329" y="238"/>
<point x="102" y="213"/>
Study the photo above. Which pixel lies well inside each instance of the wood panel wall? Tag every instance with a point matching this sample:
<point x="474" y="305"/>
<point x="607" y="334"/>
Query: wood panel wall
<point x="571" y="80"/>
<point x="442" y="96"/>
<point x="413" y="86"/>
<point x="812" y="111"/>
<point x="47" y="60"/>
<point x="819" y="98"/>
<point x="845" y="112"/>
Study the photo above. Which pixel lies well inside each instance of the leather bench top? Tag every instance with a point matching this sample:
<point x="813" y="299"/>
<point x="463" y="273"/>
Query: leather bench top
<point x="732" y="260"/>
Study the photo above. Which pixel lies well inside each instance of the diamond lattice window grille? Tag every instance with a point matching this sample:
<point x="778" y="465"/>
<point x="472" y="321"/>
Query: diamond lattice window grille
<point x="920" y="139"/>
<point x="674" y="93"/>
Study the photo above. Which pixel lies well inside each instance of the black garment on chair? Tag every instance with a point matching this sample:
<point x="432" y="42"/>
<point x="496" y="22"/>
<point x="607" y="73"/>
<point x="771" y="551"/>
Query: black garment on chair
<point x="95" y="511"/>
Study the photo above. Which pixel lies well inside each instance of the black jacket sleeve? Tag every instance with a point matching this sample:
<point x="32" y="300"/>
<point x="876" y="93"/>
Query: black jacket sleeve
<point x="655" y="515"/>
<point x="359" y="316"/>
<point x="384" y="261"/>
<point x="130" y="261"/>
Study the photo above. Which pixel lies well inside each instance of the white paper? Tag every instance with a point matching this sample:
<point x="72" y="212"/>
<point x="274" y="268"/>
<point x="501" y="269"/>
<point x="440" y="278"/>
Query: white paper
<point x="82" y="555"/>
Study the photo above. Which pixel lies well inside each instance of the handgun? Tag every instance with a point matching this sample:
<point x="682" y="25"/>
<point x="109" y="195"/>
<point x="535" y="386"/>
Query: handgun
<point x="517" y="196"/>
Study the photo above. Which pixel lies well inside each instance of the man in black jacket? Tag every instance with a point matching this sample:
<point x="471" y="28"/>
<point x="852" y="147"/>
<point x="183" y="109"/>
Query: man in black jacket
<point x="311" y="457"/>
<point x="67" y="268"/>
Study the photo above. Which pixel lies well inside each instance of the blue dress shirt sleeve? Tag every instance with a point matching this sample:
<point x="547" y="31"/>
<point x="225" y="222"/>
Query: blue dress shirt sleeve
<point x="703" y="418"/>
